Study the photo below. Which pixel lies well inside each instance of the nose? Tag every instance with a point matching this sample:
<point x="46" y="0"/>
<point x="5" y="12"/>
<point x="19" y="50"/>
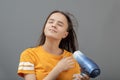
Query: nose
<point x="54" y="25"/>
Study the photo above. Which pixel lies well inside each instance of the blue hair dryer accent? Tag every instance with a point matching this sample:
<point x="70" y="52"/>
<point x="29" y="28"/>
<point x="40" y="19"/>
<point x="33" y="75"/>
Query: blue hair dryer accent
<point x="88" y="66"/>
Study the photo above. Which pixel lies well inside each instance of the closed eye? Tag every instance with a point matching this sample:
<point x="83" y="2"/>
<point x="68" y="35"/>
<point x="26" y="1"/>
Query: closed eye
<point x="60" y="25"/>
<point x="50" y="20"/>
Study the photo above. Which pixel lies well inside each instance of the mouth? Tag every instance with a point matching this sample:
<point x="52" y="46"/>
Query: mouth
<point x="52" y="30"/>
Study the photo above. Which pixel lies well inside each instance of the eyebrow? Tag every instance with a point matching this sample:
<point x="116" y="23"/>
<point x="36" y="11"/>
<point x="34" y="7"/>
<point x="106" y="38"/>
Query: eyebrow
<point x="50" y="19"/>
<point x="58" y="21"/>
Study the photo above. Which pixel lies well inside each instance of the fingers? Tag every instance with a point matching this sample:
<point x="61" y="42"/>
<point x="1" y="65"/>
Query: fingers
<point x="85" y="77"/>
<point x="68" y="58"/>
<point x="80" y="77"/>
<point x="76" y="77"/>
<point x="66" y="63"/>
<point x="70" y="61"/>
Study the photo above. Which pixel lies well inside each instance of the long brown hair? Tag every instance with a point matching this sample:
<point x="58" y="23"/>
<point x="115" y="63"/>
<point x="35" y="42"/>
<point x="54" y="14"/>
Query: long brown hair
<point x="69" y="43"/>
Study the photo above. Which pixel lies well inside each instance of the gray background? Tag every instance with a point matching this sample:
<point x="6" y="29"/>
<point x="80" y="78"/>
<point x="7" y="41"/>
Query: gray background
<point x="21" y="22"/>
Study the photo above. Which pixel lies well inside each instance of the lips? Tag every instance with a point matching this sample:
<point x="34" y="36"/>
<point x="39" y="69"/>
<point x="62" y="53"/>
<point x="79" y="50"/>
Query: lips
<point x="52" y="30"/>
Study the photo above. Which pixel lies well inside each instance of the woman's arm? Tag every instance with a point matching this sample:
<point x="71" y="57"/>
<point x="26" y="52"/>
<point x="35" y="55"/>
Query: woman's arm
<point x="63" y="64"/>
<point x="29" y="77"/>
<point x="53" y="74"/>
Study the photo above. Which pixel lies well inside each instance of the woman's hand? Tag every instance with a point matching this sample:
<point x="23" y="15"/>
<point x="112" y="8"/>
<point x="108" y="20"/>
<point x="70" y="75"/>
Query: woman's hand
<point x="81" y="77"/>
<point x="65" y="63"/>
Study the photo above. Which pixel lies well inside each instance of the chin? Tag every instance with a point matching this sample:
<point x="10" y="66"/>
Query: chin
<point x="52" y="37"/>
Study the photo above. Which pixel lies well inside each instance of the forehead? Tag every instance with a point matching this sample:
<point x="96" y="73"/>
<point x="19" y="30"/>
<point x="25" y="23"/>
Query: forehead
<point x="59" y="17"/>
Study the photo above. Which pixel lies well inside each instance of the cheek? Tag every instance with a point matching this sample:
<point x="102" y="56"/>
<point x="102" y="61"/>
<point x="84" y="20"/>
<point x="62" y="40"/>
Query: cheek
<point x="63" y="30"/>
<point x="45" y="30"/>
<point x="46" y="27"/>
<point x="63" y="34"/>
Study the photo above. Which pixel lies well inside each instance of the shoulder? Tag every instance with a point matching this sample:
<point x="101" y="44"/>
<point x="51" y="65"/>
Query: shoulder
<point x="67" y="53"/>
<point x="29" y="51"/>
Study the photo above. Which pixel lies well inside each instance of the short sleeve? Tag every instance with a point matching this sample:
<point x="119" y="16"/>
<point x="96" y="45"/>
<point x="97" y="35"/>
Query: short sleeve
<point x="26" y="63"/>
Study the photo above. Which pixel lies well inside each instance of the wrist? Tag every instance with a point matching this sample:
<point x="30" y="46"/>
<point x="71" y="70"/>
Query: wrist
<point x="57" y="69"/>
<point x="53" y="74"/>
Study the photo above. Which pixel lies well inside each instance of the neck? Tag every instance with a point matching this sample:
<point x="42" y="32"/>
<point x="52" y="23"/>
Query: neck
<point x="52" y="46"/>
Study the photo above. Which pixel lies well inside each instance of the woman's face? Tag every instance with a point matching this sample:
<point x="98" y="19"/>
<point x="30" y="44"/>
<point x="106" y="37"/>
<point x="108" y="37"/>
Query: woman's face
<point x="56" y="26"/>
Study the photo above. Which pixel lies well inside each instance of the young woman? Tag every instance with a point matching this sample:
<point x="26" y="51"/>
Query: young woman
<point x="52" y="59"/>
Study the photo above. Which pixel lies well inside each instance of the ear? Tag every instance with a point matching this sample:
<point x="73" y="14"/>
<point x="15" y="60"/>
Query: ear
<point x="66" y="34"/>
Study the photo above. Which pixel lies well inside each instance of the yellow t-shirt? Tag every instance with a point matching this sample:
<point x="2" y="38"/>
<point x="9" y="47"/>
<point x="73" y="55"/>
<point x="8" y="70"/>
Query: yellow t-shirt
<point x="39" y="62"/>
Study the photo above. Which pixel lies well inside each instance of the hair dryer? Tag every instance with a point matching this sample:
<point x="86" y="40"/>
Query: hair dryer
<point x="88" y="66"/>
